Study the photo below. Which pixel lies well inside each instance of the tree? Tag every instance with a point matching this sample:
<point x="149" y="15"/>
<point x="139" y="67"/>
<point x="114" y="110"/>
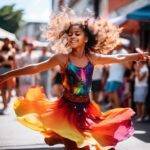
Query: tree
<point x="10" y="18"/>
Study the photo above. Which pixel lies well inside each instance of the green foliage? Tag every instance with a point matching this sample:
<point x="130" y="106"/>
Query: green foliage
<point x="10" y="18"/>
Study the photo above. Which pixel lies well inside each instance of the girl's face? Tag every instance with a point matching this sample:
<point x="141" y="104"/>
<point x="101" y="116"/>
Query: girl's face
<point x="76" y="37"/>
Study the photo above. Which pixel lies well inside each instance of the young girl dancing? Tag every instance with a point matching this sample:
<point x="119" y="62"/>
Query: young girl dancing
<point x="74" y="119"/>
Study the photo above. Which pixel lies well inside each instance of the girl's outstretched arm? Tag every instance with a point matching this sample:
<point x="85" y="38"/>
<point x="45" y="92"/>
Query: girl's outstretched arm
<point x="109" y="59"/>
<point x="34" y="68"/>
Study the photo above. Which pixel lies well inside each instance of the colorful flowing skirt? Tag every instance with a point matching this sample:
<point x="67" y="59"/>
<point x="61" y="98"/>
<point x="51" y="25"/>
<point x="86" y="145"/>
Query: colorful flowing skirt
<point x="82" y="123"/>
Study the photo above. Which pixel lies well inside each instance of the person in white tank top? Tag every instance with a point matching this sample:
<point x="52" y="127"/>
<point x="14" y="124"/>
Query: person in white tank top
<point x="141" y="88"/>
<point x="96" y="90"/>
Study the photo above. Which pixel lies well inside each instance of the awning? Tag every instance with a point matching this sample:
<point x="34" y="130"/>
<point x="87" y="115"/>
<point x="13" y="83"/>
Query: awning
<point x="6" y="34"/>
<point x="142" y="14"/>
<point x="118" y="20"/>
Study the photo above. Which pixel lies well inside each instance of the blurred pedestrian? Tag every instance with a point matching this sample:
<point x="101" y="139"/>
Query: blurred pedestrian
<point x="147" y="102"/>
<point x="141" y="88"/>
<point x="97" y="87"/>
<point x="6" y="46"/>
<point x="57" y="87"/>
<point x="127" y="94"/>
<point x="22" y="60"/>
<point x="14" y="47"/>
<point x="7" y="86"/>
<point x="44" y="75"/>
<point x="3" y="87"/>
<point x="114" y="85"/>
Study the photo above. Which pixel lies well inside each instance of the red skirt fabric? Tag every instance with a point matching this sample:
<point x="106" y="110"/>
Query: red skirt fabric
<point x="82" y="123"/>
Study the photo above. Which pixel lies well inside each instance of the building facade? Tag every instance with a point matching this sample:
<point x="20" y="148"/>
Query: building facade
<point x="32" y="30"/>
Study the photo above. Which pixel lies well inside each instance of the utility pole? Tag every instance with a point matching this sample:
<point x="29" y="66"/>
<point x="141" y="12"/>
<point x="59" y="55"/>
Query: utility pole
<point x="96" y="7"/>
<point x="60" y="3"/>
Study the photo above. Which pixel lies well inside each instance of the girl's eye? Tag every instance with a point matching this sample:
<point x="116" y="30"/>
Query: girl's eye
<point x="77" y="34"/>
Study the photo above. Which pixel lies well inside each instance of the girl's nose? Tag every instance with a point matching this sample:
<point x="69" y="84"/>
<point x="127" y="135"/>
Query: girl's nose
<point x="74" y="35"/>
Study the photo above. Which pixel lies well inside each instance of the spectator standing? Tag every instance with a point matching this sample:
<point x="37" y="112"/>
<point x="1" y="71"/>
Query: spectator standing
<point x="97" y="83"/>
<point x="141" y="88"/>
<point x="44" y="75"/>
<point x="22" y="60"/>
<point x="56" y="80"/>
<point x="7" y="86"/>
<point x="147" y="103"/>
<point x="115" y="80"/>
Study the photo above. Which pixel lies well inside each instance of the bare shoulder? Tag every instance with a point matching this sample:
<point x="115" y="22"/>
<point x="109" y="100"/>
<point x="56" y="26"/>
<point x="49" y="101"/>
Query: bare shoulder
<point x="93" y="57"/>
<point x="61" y="58"/>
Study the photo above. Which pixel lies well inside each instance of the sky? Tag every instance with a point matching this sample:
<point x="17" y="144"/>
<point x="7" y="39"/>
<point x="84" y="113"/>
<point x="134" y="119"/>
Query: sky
<point x="34" y="10"/>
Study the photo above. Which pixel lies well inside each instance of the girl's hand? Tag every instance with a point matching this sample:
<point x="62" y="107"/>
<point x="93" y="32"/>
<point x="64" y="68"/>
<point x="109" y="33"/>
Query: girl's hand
<point x="143" y="56"/>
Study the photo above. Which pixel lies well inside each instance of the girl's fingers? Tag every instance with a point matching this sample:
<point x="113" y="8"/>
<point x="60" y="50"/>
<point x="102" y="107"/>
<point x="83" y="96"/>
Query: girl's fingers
<point x="139" y="50"/>
<point x="141" y="53"/>
<point x="144" y="55"/>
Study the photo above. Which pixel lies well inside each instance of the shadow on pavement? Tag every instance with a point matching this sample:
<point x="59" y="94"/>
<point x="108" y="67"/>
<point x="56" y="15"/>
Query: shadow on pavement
<point x="143" y="131"/>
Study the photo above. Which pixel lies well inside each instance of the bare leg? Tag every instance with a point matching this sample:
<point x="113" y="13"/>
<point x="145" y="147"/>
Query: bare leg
<point x="101" y="96"/>
<point x="115" y="99"/>
<point x="4" y="98"/>
<point x="70" y="145"/>
<point x="142" y="110"/>
<point x="129" y="102"/>
<point x="55" y="139"/>
<point x="110" y="99"/>
<point x="138" y="110"/>
<point x="9" y="95"/>
<point x="95" y="97"/>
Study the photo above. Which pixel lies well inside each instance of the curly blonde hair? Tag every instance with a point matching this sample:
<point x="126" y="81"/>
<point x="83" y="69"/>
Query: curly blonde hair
<point x="105" y="35"/>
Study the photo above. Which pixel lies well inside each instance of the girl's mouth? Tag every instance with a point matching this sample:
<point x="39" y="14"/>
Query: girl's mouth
<point x="74" y="41"/>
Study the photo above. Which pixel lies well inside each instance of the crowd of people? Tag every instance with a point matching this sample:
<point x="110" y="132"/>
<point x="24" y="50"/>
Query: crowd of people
<point x="115" y="85"/>
<point x="123" y="85"/>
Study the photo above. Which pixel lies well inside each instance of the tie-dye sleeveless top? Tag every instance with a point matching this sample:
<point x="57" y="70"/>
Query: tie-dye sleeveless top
<point x="78" y="80"/>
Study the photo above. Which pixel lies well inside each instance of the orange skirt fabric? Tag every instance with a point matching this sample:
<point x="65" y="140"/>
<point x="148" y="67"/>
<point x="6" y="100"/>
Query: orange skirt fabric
<point x="82" y="123"/>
